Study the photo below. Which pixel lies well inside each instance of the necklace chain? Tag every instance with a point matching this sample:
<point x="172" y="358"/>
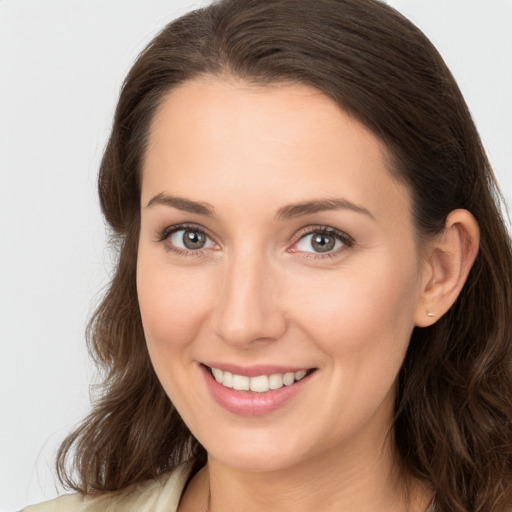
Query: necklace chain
<point x="209" y="499"/>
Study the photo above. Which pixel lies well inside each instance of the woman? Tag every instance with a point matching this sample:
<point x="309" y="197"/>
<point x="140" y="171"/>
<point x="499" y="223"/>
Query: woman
<point x="308" y="231"/>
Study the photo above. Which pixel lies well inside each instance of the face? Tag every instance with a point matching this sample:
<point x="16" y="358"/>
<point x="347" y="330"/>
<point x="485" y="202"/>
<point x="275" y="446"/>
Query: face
<point x="278" y="272"/>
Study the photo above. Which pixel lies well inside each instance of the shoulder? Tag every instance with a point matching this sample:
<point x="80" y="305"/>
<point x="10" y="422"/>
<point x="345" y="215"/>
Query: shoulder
<point x="162" y="495"/>
<point x="66" y="503"/>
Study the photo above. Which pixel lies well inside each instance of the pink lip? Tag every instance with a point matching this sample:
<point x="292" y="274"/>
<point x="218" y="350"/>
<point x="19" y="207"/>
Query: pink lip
<point x="248" y="403"/>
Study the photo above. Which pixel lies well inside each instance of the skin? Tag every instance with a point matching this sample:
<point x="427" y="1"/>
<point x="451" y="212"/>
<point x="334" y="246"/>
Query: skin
<point x="258" y="293"/>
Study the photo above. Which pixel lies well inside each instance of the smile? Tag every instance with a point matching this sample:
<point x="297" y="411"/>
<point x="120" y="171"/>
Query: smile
<point x="258" y="383"/>
<point x="256" y="390"/>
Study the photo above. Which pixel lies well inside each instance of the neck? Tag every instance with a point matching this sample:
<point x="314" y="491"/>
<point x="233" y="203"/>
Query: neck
<point x="341" y="482"/>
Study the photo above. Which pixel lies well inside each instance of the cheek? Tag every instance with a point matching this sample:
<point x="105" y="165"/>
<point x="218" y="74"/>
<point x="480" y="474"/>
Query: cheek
<point x="172" y="304"/>
<point x="360" y="312"/>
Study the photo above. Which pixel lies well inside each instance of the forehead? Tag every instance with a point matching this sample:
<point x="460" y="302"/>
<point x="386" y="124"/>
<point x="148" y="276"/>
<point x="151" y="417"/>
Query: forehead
<point x="222" y="139"/>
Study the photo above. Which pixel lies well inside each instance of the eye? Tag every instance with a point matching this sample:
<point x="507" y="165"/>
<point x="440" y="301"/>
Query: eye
<point x="322" y="241"/>
<point x="190" y="239"/>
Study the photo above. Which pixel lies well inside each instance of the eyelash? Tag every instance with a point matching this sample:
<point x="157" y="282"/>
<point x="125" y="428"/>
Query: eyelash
<point x="165" y="234"/>
<point x="340" y="236"/>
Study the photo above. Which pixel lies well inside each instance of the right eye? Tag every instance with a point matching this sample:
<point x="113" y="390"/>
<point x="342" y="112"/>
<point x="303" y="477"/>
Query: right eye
<point x="189" y="239"/>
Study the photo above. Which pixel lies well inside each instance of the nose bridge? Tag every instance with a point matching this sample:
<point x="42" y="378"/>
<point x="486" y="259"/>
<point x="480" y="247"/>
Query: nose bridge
<point x="247" y="309"/>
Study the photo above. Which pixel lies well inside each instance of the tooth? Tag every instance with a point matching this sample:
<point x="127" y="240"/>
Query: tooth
<point x="288" y="378"/>
<point x="275" y="381"/>
<point x="217" y="374"/>
<point x="227" y="379"/>
<point x="240" y="382"/>
<point x="300" y="375"/>
<point x="259" y="383"/>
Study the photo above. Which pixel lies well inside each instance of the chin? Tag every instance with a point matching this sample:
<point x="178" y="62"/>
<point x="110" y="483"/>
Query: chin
<point x="255" y="461"/>
<point x="258" y="453"/>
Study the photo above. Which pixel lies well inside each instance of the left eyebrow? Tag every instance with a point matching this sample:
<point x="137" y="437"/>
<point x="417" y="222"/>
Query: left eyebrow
<point x="308" y="207"/>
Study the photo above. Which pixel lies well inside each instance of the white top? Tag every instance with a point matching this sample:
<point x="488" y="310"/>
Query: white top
<point x="161" y="495"/>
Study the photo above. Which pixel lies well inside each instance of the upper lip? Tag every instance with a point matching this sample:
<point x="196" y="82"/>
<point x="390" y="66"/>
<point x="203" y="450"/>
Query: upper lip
<point x="254" y="370"/>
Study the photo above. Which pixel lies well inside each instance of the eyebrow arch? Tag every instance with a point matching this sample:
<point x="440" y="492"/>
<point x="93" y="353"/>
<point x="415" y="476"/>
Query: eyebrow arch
<point x="183" y="204"/>
<point x="309" y="207"/>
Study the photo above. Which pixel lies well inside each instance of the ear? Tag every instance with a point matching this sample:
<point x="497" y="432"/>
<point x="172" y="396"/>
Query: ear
<point x="448" y="258"/>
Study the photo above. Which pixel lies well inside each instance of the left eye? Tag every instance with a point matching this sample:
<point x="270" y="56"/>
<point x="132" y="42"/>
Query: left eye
<point x="319" y="242"/>
<point x="190" y="240"/>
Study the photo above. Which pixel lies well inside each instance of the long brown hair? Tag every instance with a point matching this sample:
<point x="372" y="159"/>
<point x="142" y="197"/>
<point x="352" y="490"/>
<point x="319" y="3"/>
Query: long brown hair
<point x="454" y="402"/>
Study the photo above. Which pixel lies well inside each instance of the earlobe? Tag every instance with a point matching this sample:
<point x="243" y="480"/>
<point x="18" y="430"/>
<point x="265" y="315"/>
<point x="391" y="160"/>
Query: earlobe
<point x="447" y="264"/>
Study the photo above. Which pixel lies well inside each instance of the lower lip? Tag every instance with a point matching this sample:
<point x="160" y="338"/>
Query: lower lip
<point x="248" y="403"/>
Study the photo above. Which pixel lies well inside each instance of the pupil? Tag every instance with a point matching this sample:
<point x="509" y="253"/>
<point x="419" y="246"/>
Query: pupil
<point x="193" y="240"/>
<point x="323" y="243"/>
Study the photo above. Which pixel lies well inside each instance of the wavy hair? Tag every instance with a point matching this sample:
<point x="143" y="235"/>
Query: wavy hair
<point x="454" y="403"/>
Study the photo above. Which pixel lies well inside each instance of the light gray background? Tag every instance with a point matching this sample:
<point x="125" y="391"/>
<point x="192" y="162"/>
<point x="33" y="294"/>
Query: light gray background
<point x="61" y="66"/>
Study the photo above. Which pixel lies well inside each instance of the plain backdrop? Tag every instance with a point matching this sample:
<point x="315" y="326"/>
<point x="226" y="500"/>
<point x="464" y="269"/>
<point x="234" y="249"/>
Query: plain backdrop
<point x="61" y="65"/>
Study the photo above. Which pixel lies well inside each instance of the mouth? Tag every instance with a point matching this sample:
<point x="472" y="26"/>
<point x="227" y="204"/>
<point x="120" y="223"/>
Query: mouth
<point x="258" y="383"/>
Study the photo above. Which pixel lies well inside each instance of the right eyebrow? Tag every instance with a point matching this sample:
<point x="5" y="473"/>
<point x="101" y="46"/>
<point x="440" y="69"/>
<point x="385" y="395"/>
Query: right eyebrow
<point x="183" y="204"/>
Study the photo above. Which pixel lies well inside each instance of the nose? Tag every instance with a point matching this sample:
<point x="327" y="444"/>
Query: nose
<point x="248" y="309"/>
